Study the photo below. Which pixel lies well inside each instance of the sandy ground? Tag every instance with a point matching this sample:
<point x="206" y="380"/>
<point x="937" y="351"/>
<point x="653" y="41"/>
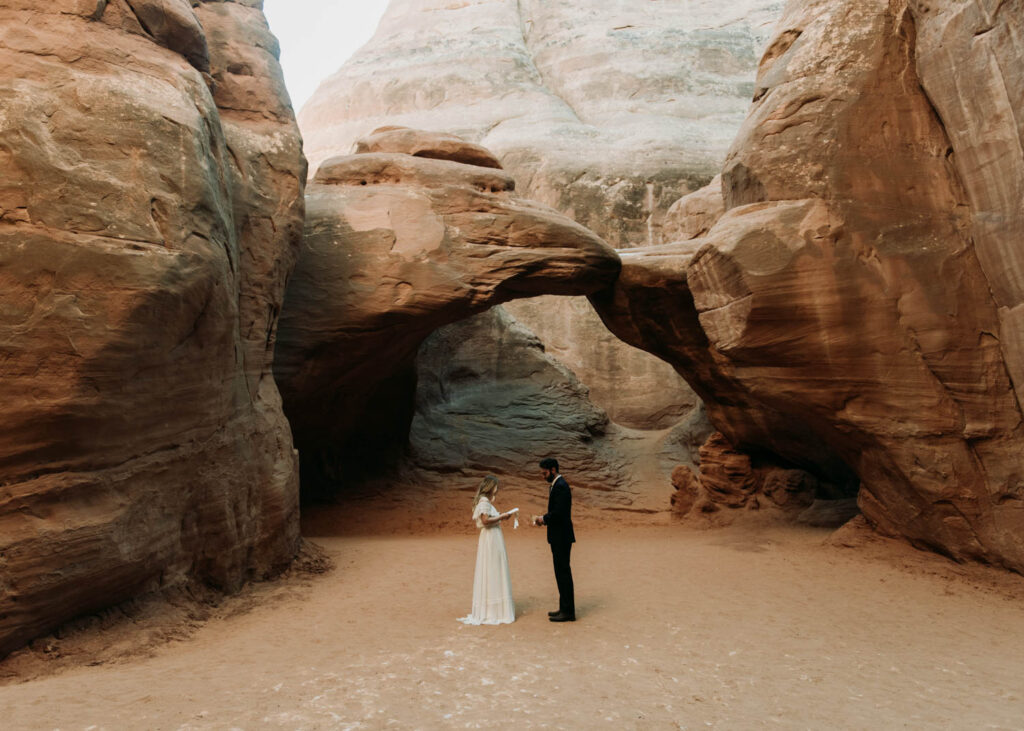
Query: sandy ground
<point x="745" y="627"/>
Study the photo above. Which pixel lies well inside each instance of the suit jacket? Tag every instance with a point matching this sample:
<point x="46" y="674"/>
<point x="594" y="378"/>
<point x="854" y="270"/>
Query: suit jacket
<point x="558" y="519"/>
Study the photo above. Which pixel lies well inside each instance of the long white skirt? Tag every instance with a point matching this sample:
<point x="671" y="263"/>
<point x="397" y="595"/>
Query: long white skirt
<point x="492" y="583"/>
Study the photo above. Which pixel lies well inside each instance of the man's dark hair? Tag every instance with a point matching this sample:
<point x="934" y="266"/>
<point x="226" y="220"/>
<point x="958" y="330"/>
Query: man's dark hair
<point x="549" y="463"/>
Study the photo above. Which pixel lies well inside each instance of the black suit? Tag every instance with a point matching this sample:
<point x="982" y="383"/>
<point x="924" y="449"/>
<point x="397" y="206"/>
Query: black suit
<point x="558" y="519"/>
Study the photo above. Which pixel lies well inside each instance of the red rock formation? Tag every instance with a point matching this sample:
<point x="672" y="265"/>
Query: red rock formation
<point x="725" y="474"/>
<point x="397" y="246"/>
<point x="855" y="304"/>
<point x="418" y="143"/>
<point x="728" y="478"/>
<point x="607" y="112"/>
<point x="147" y="225"/>
<point x="693" y="215"/>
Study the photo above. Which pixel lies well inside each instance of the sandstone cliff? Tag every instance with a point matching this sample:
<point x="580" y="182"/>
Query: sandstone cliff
<point x="150" y="210"/>
<point x="489" y="399"/>
<point x="606" y="111"/>
<point x="854" y="308"/>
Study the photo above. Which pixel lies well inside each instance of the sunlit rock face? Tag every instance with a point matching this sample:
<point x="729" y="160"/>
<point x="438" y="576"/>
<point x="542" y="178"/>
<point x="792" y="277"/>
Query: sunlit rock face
<point x="607" y="112"/>
<point x="853" y="309"/>
<point x="150" y="209"/>
<point x="398" y="245"/>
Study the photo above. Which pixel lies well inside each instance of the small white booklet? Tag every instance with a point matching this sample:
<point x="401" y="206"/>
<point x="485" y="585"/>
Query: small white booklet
<point x="514" y="512"/>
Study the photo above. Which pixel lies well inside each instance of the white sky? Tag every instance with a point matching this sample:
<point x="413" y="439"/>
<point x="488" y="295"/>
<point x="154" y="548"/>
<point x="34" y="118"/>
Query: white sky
<point x="318" y="36"/>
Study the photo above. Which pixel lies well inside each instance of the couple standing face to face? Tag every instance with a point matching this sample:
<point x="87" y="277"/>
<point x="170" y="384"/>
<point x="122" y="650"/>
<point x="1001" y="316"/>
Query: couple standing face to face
<point x="492" y="586"/>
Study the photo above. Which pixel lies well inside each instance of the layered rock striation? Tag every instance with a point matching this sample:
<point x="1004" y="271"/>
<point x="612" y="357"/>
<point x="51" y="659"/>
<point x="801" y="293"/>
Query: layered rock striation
<point x="398" y="245"/>
<point x="607" y="112"/>
<point x="852" y="309"/>
<point x="150" y="211"/>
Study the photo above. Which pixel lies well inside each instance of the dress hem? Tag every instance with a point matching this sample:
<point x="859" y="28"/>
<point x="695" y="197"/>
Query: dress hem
<point x="478" y="622"/>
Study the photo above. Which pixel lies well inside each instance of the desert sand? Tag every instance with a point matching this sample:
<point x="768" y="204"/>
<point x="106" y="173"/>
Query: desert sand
<point x="752" y="626"/>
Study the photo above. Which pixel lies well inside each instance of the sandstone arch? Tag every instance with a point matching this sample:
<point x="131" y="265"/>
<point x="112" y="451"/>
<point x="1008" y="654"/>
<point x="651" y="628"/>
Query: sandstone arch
<point x="398" y="245"/>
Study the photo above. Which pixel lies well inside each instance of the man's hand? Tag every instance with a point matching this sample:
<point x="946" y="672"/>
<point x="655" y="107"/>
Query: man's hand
<point x="538" y="520"/>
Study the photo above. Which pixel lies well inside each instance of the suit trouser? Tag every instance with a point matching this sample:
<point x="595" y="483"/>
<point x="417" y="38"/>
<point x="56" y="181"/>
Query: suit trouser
<point x="563" y="577"/>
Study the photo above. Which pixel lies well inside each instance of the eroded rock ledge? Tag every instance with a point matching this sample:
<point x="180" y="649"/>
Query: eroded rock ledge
<point x="398" y="245"/>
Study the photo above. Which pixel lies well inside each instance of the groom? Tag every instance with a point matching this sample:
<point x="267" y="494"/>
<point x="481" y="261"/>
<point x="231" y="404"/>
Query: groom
<point x="558" y="519"/>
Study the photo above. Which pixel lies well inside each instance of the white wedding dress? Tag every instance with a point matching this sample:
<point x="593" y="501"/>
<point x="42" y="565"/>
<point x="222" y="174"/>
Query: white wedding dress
<point x="492" y="583"/>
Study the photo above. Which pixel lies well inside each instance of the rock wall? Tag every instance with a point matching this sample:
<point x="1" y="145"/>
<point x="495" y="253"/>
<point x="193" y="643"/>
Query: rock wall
<point x="852" y="310"/>
<point x="969" y="61"/>
<point x="607" y="112"/>
<point x="150" y="211"/>
<point x="482" y="407"/>
<point x="634" y="389"/>
<point x="731" y="479"/>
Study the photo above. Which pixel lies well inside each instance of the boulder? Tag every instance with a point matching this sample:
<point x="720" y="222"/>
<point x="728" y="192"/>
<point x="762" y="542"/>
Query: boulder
<point x="146" y="230"/>
<point x="693" y="215"/>
<point x="829" y="513"/>
<point x="728" y="478"/>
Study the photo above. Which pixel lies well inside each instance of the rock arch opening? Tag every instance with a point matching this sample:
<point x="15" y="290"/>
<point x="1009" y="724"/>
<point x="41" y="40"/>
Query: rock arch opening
<point x="397" y="362"/>
<point x="429" y="241"/>
<point x="852" y="308"/>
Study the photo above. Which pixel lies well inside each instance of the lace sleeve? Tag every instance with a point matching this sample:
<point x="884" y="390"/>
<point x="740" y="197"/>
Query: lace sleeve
<point x="484" y="507"/>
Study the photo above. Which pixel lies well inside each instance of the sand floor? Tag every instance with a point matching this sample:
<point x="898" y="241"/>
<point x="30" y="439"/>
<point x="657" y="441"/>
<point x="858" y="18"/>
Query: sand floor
<point x="755" y="627"/>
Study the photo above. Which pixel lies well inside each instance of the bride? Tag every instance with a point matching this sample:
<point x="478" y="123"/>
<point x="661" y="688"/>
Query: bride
<point x="492" y="585"/>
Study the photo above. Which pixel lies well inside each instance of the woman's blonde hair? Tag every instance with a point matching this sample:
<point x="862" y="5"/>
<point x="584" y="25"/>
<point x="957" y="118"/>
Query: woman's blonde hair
<point x="487" y="487"/>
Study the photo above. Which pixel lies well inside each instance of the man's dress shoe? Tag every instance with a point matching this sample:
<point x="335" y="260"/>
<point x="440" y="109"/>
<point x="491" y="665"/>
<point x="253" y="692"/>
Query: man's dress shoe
<point x="562" y="617"/>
